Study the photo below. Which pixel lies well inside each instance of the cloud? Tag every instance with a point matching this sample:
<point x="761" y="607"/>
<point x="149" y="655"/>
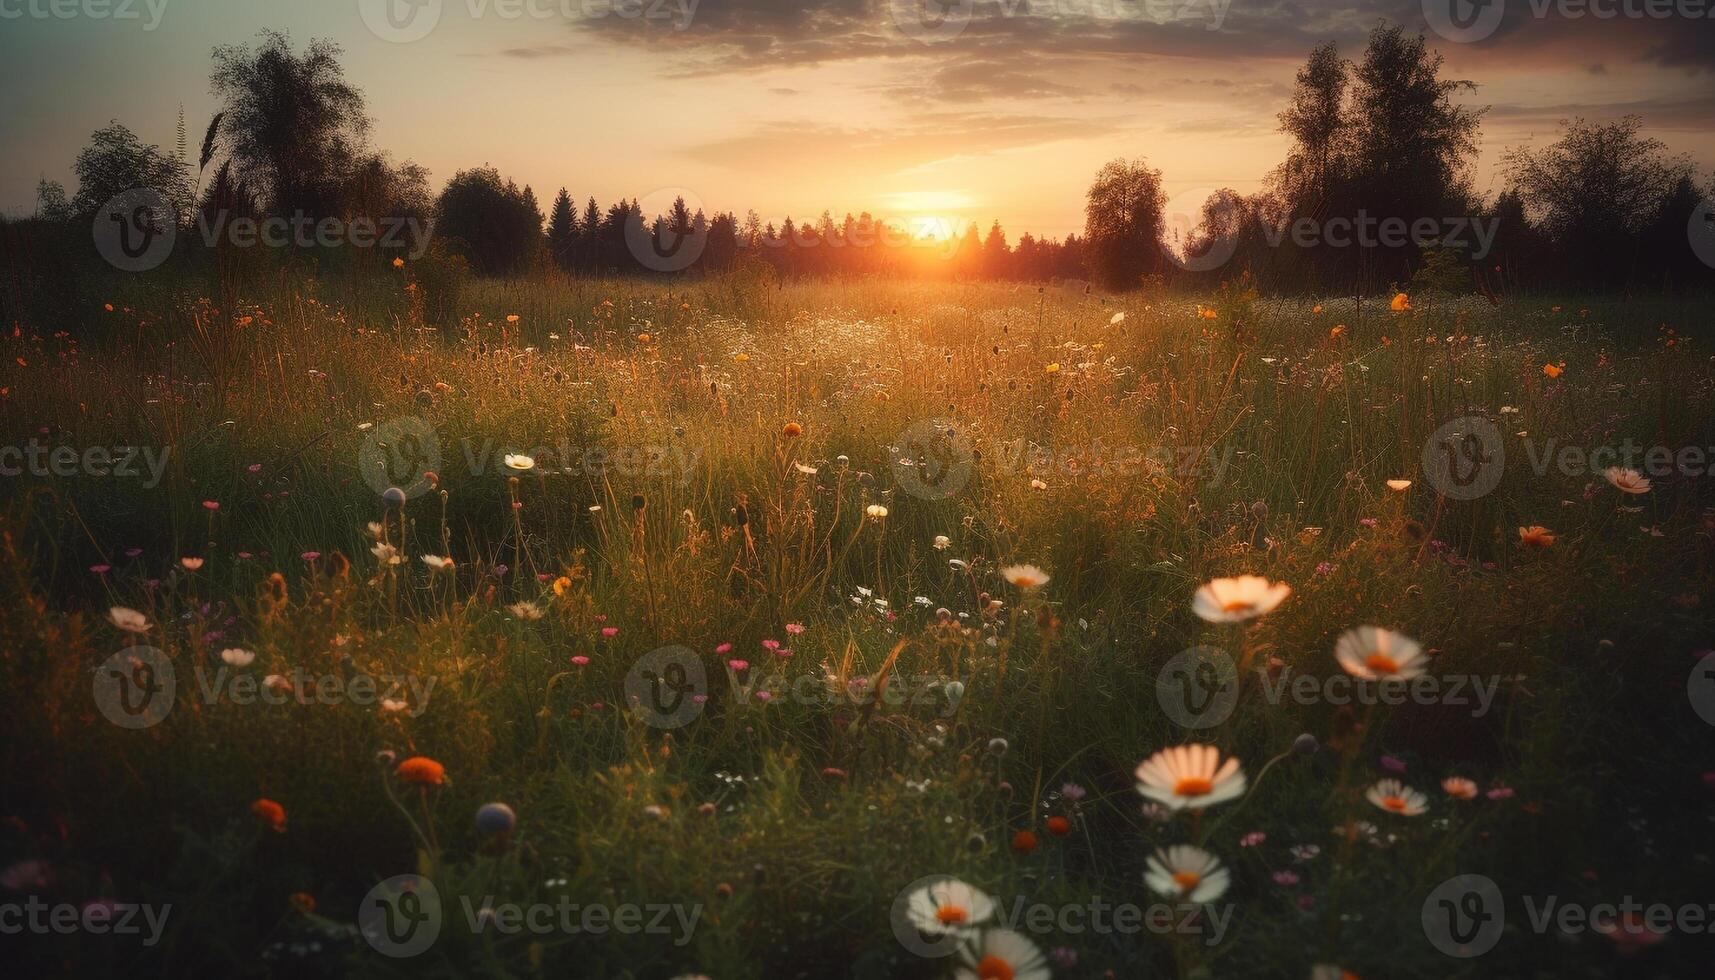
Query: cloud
<point x="854" y="152"/>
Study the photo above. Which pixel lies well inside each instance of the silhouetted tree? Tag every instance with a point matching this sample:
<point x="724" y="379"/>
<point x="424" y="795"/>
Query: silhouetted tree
<point x="1123" y="224"/>
<point x="1594" y="191"/>
<point x="493" y="224"/>
<point x="1316" y="121"/>
<point x="117" y="161"/>
<point x="563" y="231"/>
<point x="51" y="203"/>
<point x="294" y="127"/>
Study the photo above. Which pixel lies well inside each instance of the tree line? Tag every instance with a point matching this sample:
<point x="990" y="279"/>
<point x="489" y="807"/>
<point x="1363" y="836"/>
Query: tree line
<point x="1377" y="143"/>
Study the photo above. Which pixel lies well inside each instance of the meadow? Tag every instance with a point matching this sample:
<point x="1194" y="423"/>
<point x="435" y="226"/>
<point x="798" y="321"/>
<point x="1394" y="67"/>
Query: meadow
<point x="757" y="603"/>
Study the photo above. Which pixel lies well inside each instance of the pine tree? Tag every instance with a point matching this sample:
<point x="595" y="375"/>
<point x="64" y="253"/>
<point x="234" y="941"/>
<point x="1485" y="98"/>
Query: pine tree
<point x="563" y="231"/>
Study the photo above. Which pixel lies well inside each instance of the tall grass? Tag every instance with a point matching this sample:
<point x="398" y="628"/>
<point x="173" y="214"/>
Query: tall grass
<point x="1260" y="442"/>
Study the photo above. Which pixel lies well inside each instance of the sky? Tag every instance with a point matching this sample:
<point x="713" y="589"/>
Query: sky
<point x="918" y="110"/>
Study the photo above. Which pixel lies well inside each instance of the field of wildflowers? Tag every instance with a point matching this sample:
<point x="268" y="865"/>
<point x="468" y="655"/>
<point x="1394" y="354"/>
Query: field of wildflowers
<point x="749" y="629"/>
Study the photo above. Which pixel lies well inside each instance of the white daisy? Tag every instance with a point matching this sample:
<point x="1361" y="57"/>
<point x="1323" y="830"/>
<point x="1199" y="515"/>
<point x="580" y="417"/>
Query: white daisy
<point x="525" y="610"/>
<point x="519" y="462"/>
<point x="1377" y="654"/>
<point x="236" y="657"/>
<point x="1190" y="776"/>
<point x="1627" y="480"/>
<point x="1001" y="954"/>
<point x="129" y="620"/>
<point x="949" y="906"/>
<point x="1233" y="600"/>
<point x="1187" y="873"/>
<point x="1024" y="576"/>
<point x="1396" y="797"/>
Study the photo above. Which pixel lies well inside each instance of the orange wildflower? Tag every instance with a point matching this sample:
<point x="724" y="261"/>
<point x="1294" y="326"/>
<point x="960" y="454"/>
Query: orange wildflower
<point x="422" y="770"/>
<point x="272" y="814"/>
<point x="1535" y="536"/>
